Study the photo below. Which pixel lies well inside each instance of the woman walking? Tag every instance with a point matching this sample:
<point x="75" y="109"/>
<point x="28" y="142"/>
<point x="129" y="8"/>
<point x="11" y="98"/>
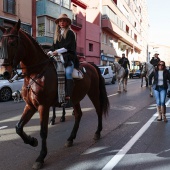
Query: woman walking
<point x="161" y="76"/>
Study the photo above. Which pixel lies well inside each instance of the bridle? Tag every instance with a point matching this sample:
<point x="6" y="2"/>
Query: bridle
<point x="20" y="58"/>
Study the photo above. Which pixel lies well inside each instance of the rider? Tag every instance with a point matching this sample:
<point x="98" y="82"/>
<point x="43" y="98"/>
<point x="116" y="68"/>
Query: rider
<point x="155" y="60"/>
<point x="65" y="38"/>
<point x="124" y="62"/>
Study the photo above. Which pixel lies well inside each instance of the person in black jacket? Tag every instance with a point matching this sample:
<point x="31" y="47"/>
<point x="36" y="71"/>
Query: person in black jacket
<point x="65" y="38"/>
<point x="154" y="61"/>
<point x="124" y="62"/>
<point x="161" y="75"/>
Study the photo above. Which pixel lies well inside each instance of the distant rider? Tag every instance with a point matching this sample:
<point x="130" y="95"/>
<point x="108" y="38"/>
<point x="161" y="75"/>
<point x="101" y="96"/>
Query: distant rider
<point x="124" y="62"/>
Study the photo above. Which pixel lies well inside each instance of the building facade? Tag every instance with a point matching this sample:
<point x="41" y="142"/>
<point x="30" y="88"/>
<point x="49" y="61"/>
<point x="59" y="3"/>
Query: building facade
<point x="13" y="10"/>
<point x="124" y="27"/>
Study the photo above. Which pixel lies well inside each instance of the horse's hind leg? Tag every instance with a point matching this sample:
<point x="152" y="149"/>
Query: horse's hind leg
<point x="62" y="119"/>
<point x="26" y="116"/>
<point x="44" y="116"/>
<point x="77" y="115"/>
<point x="52" y="121"/>
<point x="119" y="86"/>
<point x="96" y="102"/>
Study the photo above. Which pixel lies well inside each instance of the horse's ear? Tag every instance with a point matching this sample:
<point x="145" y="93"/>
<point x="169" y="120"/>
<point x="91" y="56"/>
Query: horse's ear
<point x="18" y="25"/>
<point x="2" y="29"/>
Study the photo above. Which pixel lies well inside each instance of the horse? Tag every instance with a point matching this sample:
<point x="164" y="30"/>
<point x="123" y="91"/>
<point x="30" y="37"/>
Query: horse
<point x="121" y="76"/>
<point x="40" y="87"/>
<point x="143" y="76"/>
<point x="147" y="69"/>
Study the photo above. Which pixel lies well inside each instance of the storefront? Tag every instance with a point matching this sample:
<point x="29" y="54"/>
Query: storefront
<point x="107" y="60"/>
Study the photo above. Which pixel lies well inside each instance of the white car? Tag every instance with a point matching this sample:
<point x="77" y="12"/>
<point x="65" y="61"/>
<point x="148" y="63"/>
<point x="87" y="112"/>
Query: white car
<point x="108" y="74"/>
<point x="7" y="88"/>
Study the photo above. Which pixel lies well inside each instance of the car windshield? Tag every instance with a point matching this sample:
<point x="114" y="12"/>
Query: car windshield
<point x="137" y="71"/>
<point x="101" y="70"/>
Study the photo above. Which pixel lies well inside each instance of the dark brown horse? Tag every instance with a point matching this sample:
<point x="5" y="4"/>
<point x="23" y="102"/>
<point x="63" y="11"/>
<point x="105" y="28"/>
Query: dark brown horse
<point x="40" y="86"/>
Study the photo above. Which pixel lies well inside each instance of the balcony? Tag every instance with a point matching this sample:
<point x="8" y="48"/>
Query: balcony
<point x="117" y="31"/>
<point x="77" y="23"/>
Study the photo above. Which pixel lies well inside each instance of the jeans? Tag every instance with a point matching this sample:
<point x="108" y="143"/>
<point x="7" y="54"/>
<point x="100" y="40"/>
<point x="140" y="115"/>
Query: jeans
<point x="160" y="95"/>
<point x="69" y="71"/>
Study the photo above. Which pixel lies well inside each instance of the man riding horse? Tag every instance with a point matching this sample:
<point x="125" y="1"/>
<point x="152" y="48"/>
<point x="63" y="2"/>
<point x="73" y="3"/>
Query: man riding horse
<point x="124" y="62"/>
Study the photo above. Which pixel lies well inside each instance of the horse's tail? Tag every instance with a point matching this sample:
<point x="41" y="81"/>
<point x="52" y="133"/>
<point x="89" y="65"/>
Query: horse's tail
<point x="104" y="101"/>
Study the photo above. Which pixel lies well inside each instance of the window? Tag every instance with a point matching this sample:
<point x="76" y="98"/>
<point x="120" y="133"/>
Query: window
<point x="9" y="6"/>
<point x="90" y="47"/>
<point x="50" y="27"/>
<point x="41" y="29"/>
<point x="46" y="26"/>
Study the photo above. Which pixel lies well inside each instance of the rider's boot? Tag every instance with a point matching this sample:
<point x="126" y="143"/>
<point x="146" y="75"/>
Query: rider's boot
<point x="69" y="88"/>
<point x="163" y="110"/>
<point x="159" y="113"/>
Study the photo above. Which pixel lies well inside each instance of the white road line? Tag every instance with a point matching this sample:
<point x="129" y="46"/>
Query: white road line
<point x="115" y="160"/>
<point x="3" y="127"/>
<point x="112" y="94"/>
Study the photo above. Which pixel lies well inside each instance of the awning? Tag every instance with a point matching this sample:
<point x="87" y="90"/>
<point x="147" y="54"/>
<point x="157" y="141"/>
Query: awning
<point x="107" y="58"/>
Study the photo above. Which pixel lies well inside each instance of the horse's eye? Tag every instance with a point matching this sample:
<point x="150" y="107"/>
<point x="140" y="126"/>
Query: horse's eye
<point x="12" y="43"/>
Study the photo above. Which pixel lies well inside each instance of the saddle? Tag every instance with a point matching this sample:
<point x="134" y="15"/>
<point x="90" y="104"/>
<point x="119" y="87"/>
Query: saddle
<point x="60" y="70"/>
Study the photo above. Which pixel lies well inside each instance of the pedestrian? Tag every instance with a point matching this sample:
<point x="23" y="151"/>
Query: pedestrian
<point x="155" y="59"/>
<point x="65" y="44"/>
<point x="161" y="75"/>
<point x="124" y="62"/>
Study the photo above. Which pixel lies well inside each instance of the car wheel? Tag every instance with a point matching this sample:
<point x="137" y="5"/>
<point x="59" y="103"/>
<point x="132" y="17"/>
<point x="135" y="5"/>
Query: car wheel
<point x="5" y="94"/>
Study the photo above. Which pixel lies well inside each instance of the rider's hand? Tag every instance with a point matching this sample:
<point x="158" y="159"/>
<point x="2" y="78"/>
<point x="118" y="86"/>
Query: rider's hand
<point x="50" y="53"/>
<point x="55" y="53"/>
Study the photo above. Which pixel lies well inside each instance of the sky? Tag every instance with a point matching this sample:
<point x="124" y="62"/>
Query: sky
<point x="159" y="21"/>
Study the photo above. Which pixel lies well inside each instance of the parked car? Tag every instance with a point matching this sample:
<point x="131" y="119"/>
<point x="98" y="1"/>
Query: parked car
<point x="136" y="74"/>
<point x="108" y="74"/>
<point x="7" y="88"/>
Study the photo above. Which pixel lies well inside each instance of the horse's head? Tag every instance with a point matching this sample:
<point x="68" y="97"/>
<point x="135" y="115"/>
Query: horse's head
<point x="116" y="66"/>
<point x="9" y="48"/>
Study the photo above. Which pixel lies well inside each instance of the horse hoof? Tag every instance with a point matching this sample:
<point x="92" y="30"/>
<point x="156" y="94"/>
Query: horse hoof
<point x="34" y="142"/>
<point x="151" y="95"/>
<point x="62" y="119"/>
<point x="37" y="165"/>
<point x="96" y="137"/>
<point x="69" y="144"/>
<point x="119" y="91"/>
<point x="52" y="122"/>
<point x="124" y="90"/>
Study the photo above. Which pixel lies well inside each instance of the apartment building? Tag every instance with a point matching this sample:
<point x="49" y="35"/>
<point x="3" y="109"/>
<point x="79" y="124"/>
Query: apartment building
<point x="13" y="10"/>
<point x="124" y="29"/>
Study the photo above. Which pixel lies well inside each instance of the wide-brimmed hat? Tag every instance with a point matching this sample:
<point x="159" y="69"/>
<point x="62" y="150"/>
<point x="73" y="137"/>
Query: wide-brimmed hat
<point x="63" y="16"/>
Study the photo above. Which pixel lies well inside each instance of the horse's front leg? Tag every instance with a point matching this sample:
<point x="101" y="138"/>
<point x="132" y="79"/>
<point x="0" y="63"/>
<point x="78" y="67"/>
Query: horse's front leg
<point x="119" y="86"/>
<point x="77" y="115"/>
<point x="26" y="116"/>
<point x="44" y="116"/>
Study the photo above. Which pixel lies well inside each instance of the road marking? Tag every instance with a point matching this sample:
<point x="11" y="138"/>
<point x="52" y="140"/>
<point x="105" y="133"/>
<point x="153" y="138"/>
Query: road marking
<point x="112" y="95"/>
<point x="115" y="159"/>
<point x="3" y="127"/>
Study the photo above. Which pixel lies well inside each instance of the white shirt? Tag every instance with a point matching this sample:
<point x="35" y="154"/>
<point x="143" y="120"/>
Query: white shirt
<point x="160" y="77"/>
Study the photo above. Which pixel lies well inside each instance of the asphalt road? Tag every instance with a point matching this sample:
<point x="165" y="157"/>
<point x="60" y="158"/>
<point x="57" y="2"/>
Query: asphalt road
<point x="131" y="137"/>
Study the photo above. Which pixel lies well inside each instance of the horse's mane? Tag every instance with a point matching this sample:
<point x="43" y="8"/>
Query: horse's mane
<point x="33" y="40"/>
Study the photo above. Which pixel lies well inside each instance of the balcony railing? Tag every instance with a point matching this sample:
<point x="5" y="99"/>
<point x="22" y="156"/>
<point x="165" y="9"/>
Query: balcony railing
<point x="77" y="22"/>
